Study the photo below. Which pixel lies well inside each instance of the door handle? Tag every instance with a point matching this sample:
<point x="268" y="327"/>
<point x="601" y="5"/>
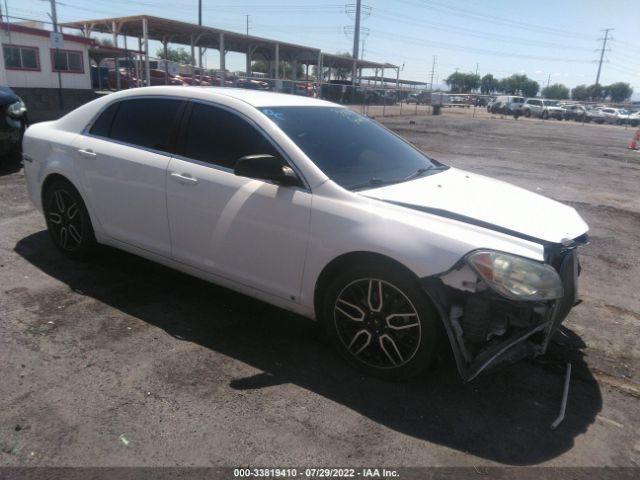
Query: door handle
<point x="184" y="179"/>
<point x="88" y="153"/>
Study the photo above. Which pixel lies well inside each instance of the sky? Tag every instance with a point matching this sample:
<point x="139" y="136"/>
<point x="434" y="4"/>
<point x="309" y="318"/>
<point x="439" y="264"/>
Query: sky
<point x="549" y="40"/>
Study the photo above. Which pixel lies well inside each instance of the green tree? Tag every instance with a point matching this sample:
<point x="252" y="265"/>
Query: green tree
<point x="459" y="82"/>
<point x="105" y="42"/>
<point x="519" y="85"/>
<point x="596" y="92"/>
<point x="619" y="91"/>
<point x="556" y="91"/>
<point x="489" y="84"/>
<point x="178" y="55"/>
<point x="286" y="67"/>
<point x="580" y="93"/>
<point x="530" y="88"/>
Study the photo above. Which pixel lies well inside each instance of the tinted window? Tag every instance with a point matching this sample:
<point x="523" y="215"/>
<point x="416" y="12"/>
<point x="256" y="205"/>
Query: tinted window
<point x="217" y="136"/>
<point x="147" y="122"/>
<point x="102" y="125"/>
<point x="353" y="150"/>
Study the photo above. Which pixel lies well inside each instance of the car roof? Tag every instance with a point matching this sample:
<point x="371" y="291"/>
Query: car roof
<point x="256" y="98"/>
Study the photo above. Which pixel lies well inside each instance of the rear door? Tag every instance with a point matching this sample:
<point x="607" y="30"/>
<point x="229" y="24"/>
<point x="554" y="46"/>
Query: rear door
<point x="250" y="231"/>
<point x="123" y="158"/>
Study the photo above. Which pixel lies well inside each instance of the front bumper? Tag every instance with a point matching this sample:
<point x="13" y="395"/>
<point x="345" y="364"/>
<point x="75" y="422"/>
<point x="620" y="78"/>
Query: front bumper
<point x="486" y="330"/>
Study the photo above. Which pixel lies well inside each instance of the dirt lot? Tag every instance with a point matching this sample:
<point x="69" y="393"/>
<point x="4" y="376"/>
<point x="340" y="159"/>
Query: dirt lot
<point x="122" y="362"/>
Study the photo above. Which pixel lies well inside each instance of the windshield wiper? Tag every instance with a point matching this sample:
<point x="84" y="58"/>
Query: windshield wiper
<point x="378" y="182"/>
<point x="422" y="171"/>
<point x="374" y="182"/>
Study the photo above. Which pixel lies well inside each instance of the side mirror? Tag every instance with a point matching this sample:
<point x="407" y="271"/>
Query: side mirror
<point x="266" y="167"/>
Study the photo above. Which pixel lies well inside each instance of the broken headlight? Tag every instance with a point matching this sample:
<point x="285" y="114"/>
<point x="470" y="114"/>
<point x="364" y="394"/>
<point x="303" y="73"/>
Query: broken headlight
<point x="515" y="277"/>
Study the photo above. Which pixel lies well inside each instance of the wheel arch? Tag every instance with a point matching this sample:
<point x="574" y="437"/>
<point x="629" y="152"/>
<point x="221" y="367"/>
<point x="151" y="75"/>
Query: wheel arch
<point x="55" y="176"/>
<point x="344" y="261"/>
<point x="50" y="179"/>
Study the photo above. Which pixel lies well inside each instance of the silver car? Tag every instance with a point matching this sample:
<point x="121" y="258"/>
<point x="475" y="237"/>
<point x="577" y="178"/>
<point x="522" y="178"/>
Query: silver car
<point x="542" y="108"/>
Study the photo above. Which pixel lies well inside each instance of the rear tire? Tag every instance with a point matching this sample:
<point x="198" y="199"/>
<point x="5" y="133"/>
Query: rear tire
<point x="381" y="321"/>
<point x="68" y="220"/>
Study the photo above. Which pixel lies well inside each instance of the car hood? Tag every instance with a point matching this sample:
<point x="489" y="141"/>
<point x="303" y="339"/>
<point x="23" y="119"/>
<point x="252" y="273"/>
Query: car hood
<point x="486" y="202"/>
<point x="553" y="107"/>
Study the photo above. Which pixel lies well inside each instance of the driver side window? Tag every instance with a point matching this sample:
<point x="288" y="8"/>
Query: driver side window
<point x="217" y="136"/>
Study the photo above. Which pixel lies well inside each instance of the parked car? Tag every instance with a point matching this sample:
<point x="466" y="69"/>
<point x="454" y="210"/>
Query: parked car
<point x="482" y="100"/>
<point x="13" y="122"/>
<point x="634" y="119"/>
<point x="490" y="103"/>
<point x="251" y="84"/>
<point x="508" y="105"/>
<point x="617" y="116"/>
<point x="420" y="98"/>
<point x="319" y="210"/>
<point x="542" y="108"/>
<point x="379" y="97"/>
<point x="582" y="113"/>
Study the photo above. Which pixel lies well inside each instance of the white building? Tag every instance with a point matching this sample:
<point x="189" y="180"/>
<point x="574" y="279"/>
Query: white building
<point x="28" y="59"/>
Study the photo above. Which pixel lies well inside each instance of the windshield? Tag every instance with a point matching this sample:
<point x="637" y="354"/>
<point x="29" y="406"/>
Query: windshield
<point x="352" y="150"/>
<point x="551" y="103"/>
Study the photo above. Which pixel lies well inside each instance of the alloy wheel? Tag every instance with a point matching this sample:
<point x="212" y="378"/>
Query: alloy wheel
<point x="377" y="323"/>
<point x="64" y="219"/>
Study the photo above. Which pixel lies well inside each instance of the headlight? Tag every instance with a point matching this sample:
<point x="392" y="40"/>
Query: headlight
<point x="16" y="109"/>
<point x="516" y="277"/>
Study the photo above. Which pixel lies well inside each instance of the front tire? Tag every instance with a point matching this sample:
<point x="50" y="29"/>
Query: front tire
<point x="68" y="220"/>
<point x="381" y="321"/>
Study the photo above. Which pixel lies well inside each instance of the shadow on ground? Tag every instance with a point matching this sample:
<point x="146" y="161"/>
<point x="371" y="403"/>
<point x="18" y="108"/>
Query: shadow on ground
<point x="10" y="164"/>
<point x="503" y="416"/>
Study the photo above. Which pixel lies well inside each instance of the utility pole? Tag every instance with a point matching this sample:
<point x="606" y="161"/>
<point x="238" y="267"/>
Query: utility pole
<point x="477" y="67"/>
<point x="548" y="80"/>
<point x="604" y="46"/>
<point x="199" y="48"/>
<point x="247" y="17"/>
<point x="356" y="41"/>
<point x="54" y="19"/>
<point x="433" y="70"/>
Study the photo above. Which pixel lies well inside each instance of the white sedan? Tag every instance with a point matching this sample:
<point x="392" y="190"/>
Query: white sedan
<point x="314" y="208"/>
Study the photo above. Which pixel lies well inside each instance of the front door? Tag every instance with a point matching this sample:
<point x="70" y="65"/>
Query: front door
<point x="249" y="231"/>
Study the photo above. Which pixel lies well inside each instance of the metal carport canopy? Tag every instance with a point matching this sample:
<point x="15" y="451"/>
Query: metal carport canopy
<point x="173" y="31"/>
<point x="339" y="61"/>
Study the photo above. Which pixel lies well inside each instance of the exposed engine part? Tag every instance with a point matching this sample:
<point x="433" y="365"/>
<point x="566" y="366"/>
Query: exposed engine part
<point x="454" y="316"/>
<point x="565" y="395"/>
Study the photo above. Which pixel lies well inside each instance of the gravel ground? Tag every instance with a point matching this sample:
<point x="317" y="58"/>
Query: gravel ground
<point x="120" y="362"/>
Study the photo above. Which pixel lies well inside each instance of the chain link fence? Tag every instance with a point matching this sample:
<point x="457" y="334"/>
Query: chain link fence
<point x="374" y="100"/>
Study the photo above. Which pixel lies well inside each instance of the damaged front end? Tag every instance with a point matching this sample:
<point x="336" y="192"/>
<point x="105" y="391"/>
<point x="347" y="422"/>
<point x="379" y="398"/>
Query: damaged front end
<point x="496" y="313"/>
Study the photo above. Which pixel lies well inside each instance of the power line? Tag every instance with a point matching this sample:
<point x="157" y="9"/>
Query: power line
<point x="464" y="12"/>
<point x="404" y="19"/>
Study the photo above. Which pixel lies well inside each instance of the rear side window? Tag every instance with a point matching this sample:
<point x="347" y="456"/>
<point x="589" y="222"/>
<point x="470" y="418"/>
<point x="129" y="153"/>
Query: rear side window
<point x="146" y="122"/>
<point x="102" y="125"/>
<point x="217" y="136"/>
